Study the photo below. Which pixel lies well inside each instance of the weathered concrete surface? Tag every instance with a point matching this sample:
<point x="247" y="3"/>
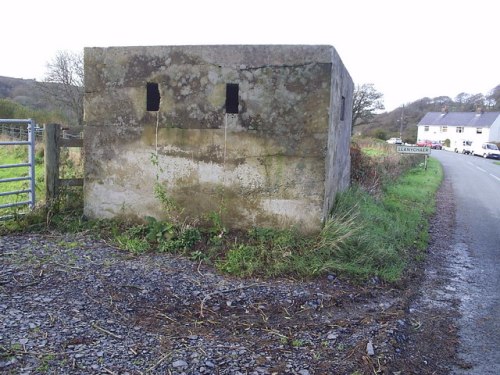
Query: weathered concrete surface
<point x="279" y="161"/>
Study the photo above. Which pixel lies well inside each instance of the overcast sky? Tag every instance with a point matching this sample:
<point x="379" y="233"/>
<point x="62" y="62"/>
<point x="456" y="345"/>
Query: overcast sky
<point x="408" y="49"/>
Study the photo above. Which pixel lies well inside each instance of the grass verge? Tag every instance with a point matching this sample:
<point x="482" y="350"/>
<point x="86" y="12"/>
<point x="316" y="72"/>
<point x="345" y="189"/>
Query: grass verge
<point x="364" y="237"/>
<point x="388" y="231"/>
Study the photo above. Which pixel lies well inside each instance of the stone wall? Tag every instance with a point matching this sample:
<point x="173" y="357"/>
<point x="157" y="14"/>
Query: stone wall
<point x="277" y="160"/>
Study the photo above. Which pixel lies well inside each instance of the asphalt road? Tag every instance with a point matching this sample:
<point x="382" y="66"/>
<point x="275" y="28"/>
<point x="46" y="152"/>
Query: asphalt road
<point x="476" y="247"/>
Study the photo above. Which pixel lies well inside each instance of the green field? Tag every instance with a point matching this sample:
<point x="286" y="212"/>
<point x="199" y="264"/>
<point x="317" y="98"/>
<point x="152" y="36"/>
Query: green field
<point x="17" y="155"/>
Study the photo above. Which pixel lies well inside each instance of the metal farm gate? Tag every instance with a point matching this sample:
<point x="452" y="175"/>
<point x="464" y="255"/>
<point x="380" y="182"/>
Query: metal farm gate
<point x="24" y="130"/>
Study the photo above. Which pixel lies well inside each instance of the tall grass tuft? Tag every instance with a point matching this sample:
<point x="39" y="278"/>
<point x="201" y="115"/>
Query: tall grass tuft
<point x="388" y="230"/>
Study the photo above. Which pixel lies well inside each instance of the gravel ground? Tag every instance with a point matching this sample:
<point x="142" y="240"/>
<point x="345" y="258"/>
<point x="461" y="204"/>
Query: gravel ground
<point x="70" y="304"/>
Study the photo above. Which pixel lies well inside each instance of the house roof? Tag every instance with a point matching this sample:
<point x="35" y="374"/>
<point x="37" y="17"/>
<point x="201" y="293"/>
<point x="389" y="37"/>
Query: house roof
<point x="474" y="119"/>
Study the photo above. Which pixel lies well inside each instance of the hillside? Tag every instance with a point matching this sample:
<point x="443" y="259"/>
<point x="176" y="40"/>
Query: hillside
<point x="22" y="91"/>
<point x="28" y="93"/>
<point x="405" y="119"/>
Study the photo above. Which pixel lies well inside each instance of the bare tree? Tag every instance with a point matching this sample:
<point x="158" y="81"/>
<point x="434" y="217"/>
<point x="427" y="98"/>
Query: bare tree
<point x="462" y="99"/>
<point x="366" y="101"/>
<point x="63" y="82"/>
<point x="493" y="98"/>
<point x="469" y="102"/>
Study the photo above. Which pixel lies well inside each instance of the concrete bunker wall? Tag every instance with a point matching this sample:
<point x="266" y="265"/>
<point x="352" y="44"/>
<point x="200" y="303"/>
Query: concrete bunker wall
<point x="258" y="134"/>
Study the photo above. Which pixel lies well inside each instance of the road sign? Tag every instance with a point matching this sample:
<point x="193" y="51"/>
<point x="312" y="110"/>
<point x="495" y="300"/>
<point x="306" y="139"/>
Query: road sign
<point x="413" y="150"/>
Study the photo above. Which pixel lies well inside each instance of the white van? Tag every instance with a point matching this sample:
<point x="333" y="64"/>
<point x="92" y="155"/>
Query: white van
<point x="463" y="147"/>
<point x="395" y="141"/>
<point x="486" y="150"/>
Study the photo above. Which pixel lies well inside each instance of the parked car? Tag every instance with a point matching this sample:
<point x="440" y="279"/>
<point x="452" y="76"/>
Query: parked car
<point x="463" y="147"/>
<point x="486" y="150"/>
<point x="424" y="143"/>
<point x="436" y="145"/>
<point x="395" y="141"/>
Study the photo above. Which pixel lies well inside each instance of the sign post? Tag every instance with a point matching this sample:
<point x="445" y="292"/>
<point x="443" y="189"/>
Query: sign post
<point x="415" y="150"/>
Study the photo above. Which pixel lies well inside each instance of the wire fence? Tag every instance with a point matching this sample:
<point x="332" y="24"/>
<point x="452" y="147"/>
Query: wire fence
<point x="21" y="133"/>
<point x="16" y="132"/>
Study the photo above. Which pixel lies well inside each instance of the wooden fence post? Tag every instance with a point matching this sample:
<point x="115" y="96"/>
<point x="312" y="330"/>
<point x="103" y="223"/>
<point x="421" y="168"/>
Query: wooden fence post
<point x="51" y="156"/>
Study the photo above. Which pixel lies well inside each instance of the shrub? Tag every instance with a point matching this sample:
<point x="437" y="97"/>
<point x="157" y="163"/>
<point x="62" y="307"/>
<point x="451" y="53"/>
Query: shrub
<point x="377" y="163"/>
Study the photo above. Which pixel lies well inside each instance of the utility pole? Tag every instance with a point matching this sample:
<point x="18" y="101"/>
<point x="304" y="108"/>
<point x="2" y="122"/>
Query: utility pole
<point x="401" y="121"/>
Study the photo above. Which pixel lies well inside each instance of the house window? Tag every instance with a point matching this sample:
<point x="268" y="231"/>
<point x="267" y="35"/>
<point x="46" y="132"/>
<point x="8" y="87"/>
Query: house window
<point x="479" y="130"/>
<point x="232" y="100"/>
<point x="342" y="109"/>
<point x="444" y="129"/>
<point x="152" y="97"/>
<point x="426" y="128"/>
<point x="460" y="129"/>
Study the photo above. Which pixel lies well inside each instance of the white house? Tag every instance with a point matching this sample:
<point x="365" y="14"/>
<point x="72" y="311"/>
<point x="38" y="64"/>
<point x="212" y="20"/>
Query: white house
<point x="477" y="127"/>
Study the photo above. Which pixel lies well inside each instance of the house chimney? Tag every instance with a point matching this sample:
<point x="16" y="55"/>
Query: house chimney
<point x="444" y="109"/>
<point x="479" y="110"/>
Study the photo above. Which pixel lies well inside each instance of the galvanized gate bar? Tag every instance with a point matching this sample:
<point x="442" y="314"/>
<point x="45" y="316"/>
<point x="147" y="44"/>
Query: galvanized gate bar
<point x="13" y="143"/>
<point x="14" y="204"/>
<point x="12" y="179"/>
<point x="5" y="193"/>
<point x="14" y="121"/>
<point x="31" y="160"/>
<point x="31" y="164"/>
<point x="14" y="165"/>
